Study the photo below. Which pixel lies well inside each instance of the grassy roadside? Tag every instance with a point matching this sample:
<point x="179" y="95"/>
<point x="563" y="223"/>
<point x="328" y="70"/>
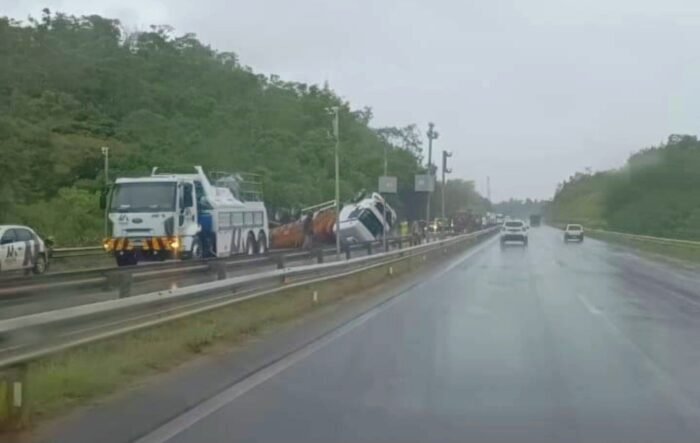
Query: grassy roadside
<point x="83" y="375"/>
<point x="683" y="253"/>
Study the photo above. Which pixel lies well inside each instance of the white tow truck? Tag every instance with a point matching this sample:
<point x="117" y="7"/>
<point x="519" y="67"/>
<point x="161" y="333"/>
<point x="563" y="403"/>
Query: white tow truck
<point x="185" y="216"/>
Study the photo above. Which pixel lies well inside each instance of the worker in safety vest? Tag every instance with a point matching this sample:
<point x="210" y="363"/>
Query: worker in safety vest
<point x="404" y="228"/>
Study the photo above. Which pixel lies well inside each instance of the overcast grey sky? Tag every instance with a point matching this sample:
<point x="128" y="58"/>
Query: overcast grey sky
<point x="526" y="92"/>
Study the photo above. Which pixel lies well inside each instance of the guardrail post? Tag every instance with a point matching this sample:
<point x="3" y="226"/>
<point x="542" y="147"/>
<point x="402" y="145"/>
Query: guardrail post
<point x="125" y="281"/>
<point x="281" y="262"/>
<point x="347" y="252"/>
<point x="219" y="269"/>
<point x="319" y="255"/>
<point x="369" y="248"/>
<point x="400" y="243"/>
<point x="14" y="407"/>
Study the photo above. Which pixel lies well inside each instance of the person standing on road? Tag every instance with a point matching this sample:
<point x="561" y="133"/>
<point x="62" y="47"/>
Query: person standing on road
<point x="308" y="231"/>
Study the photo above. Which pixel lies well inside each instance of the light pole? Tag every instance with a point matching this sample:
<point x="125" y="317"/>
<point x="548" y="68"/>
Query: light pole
<point x="105" y="154"/>
<point x="336" y="134"/>
<point x="432" y="135"/>
<point x="384" y="226"/>
<point x="445" y="156"/>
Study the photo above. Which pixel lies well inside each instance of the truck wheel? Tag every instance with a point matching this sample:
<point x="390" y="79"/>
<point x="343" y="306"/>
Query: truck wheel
<point x="40" y="266"/>
<point x="250" y="246"/>
<point x="525" y="242"/>
<point x="262" y="244"/>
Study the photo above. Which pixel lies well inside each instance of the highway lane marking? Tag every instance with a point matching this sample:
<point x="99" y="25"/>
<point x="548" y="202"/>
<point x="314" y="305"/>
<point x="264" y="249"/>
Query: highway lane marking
<point x="186" y="420"/>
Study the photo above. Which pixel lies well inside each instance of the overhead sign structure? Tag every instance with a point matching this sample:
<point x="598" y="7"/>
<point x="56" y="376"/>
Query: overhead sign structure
<point x="388" y="184"/>
<point x="425" y="183"/>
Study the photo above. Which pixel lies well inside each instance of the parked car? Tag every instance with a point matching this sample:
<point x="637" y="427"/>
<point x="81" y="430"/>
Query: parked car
<point x="573" y="232"/>
<point x="514" y="230"/>
<point x="21" y="249"/>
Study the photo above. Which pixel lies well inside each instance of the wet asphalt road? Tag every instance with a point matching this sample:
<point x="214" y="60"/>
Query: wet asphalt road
<point x="550" y="343"/>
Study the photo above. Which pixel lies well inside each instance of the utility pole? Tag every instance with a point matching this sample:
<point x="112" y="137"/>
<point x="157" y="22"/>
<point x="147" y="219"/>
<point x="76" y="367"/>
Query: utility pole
<point x="445" y="170"/>
<point x="336" y="134"/>
<point x="488" y="188"/>
<point x="432" y="135"/>
<point x="105" y="154"/>
<point x="384" y="225"/>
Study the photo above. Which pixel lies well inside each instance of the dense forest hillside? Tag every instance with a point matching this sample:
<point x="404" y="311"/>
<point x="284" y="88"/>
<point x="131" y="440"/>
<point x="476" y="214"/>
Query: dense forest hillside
<point x="70" y="85"/>
<point x="655" y="193"/>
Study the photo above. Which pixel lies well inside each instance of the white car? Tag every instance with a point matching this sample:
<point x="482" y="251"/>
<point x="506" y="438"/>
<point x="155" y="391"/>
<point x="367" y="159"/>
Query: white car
<point x="514" y="230"/>
<point x="21" y="249"/>
<point x="573" y="232"/>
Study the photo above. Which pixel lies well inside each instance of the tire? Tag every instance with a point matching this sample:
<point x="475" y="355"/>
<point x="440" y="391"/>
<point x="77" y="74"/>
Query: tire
<point x="41" y="265"/>
<point x="251" y="248"/>
<point x="262" y="244"/>
<point x="525" y="241"/>
<point x="581" y="241"/>
<point x="195" y="252"/>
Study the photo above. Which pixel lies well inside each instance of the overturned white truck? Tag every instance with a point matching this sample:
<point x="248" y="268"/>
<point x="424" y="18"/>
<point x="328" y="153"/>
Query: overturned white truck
<point x="174" y="215"/>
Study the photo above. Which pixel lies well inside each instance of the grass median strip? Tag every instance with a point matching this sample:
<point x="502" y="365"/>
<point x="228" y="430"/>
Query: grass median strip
<point x="80" y="376"/>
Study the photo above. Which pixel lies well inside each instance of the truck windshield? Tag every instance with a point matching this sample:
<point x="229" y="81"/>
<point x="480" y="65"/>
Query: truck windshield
<point x="371" y="222"/>
<point x="143" y="197"/>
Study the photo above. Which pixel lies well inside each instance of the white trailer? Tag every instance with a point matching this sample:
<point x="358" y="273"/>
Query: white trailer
<point x="173" y="215"/>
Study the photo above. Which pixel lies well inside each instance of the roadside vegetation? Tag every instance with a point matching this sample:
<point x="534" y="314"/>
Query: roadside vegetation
<point x="70" y="85"/>
<point x="655" y="193"/>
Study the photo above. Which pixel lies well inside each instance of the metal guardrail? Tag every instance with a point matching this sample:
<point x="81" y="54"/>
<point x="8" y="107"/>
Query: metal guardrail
<point x="648" y="238"/>
<point x="86" y="251"/>
<point x="121" y="278"/>
<point x="638" y="237"/>
<point x="26" y="338"/>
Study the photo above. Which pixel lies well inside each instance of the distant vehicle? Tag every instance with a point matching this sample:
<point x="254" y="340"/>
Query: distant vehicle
<point x="22" y="249"/>
<point x="514" y="230"/>
<point x="466" y="221"/>
<point x="173" y="215"/>
<point x="500" y="218"/>
<point x="439" y="225"/>
<point x="573" y="232"/>
<point x="535" y="220"/>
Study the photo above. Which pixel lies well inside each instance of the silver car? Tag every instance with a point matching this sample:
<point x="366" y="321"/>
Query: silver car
<point x="21" y="249"/>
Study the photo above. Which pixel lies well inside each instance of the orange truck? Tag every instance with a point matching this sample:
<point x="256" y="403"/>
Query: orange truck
<point x="317" y="226"/>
